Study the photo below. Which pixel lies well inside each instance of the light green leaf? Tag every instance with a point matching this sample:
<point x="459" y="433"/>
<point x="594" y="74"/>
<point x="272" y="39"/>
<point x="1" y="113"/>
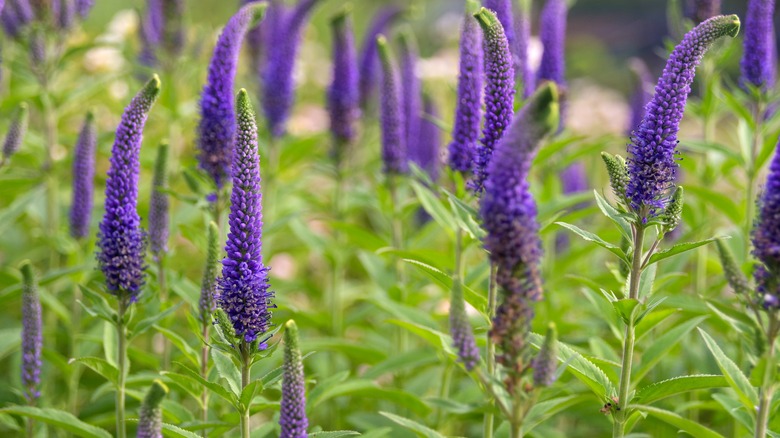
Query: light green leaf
<point x="542" y="411"/>
<point x="249" y="392"/>
<point x="147" y="323"/>
<point x="678" y="385"/>
<point x="616" y="217"/>
<point x="62" y="420"/>
<point x="734" y="376"/>
<point x="691" y="427"/>
<point x="681" y="248"/>
<point x="590" y="237"/>
<point x="100" y="366"/>
<point x="334" y="434"/>
<point x="227" y="370"/>
<point x="412" y="425"/>
<point x="434" y="207"/>
<point x="662" y="345"/>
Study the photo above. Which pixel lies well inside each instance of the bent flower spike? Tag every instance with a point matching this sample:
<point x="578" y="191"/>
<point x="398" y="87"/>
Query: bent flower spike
<point x="83" y="179"/>
<point x="32" y="339"/>
<point x="651" y="164"/>
<point x="468" y="108"/>
<point x="766" y="239"/>
<point x="121" y="240"/>
<point x="499" y="94"/>
<point x="508" y="213"/>
<point x="292" y="418"/>
<point x="216" y="130"/>
<point x="243" y="289"/>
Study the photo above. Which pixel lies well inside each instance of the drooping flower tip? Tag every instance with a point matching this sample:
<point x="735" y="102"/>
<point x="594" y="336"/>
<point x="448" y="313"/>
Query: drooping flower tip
<point x="16" y="132"/>
<point x="651" y="165"/>
<point x="83" y="179"/>
<point x="216" y="129"/>
<point x="292" y="419"/>
<point x="544" y="364"/>
<point x="150" y="415"/>
<point x="32" y="338"/>
<point x="392" y="117"/>
<point x="243" y="290"/>
<point x="121" y="240"/>
<point x="159" y="208"/>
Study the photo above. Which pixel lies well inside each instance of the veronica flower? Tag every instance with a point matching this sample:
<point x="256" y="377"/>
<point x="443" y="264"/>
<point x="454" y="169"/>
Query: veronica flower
<point x="208" y="287"/>
<point x="150" y="415"/>
<point x="121" y="240"/>
<point x="216" y="130"/>
<point x="278" y="82"/>
<point x="392" y="117"/>
<point x="343" y="93"/>
<point x="426" y="151"/>
<point x="759" y="59"/>
<point x="553" y="64"/>
<point x="499" y="94"/>
<point x="503" y="11"/>
<point x="643" y="92"/>
<point x="468" y="108"/>
<point x="158" y="206"/>
<point x="32" y="340"/>
<point x="16" y="132"/>
<point x="460" y="330"/>
<point x="83" y="7"/>
<point x="545" y="362"/>
<point x="292" y="418"/>
<point x="83" y="179"/>
<point x="766" y="239"/>
<point x="508" y="213"/>
<point x="63" y="13"/>
<point x="411" y="97"/>
<point x="651" y="163"/>
<point x="257" y="39"/>
<point x="243" y="289"/>
<point x="522" y="40"/>
<point x="368" y="62"/>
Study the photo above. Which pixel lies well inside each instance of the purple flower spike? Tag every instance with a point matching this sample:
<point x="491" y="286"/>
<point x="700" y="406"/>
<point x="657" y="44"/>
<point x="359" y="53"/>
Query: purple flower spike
<point x="343" y="93"/>
<point x="651" y="164"/>
<point x="64" y="13"/>
<point x="460" y="329"/>
<point x="499" y="94"/>
<point x="759" y="57"/>
<point x="545" y="362"/>
<point x="243" y="289"/>
<point x="121" y="240"/>
<point x="83" y="179"/>
<point x="392" y="118"/>
<point x="503" y="11"/>
<point x="522" y="39"/>
<point x="766" y="239"/>
<point x="468" y="109"/>
<point x="643" y="92"/>
<point x="216" y="130"/>
<point x="553" y="36"/>
<point x="16" y="132"/>
<point x="257" y="39"/>
<point x="426" y="152"/>
<point x="83" y="7"/>
<point x="508" y="213"/>
<point x="32" y="340"/>
<point x="411" y="97"/>
<point x="293" y="407"/>
<point x="368" y="62"/>
<point x="278" y="85"/>
<point x="574" y="179"/>
<point x="150" y="415"/>
<point x="152" y="24"/>
<point x="158" y="206"/>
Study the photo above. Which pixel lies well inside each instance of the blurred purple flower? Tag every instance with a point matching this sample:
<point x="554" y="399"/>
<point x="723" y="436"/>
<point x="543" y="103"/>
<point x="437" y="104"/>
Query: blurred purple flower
<point x="522" y="39"/>
<point x="32" y="339"/>
<point x="83" y="179"/>
<point x="292" y="418"/>
<point x="121" y="240"/>
<point x="158" y="206"/>
<point x="392" y="117"/>
<point x="766" y="239"/>
<point x="243" y="289"/>
<point x="16" y="132"/>
<point x="426" y="152"/>
<point x="343" y="93"/>
<point x="411" y="92"/>
<point x="643" y="92"/>
<point x="368" y="61"/>
<point x="759" y="57"/>
<point x="150" y="414"/>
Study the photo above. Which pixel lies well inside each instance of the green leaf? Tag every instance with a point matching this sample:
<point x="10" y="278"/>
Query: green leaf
<point x="334" y="434"/>
<point x="100" y="366"/>
<point x="466" y="217"/>
<point x="734" y="376"/>
<point x="625" y="308"/>
<point x="678" y="385"/>
<point x="590" y="237"/>
<point x="662" y="345"/>
<point x="542" y="411"/>
<point x="215" y="388"/>
<point x="681" y="248"/>
<point x="691" y="427"/>
<point x="249" y="392"/>
<point x="98" y="305"/>
<point x="434" y="207"/>
<point x="368" y="388"/>
<point x="171" y="430"/>
<point x="147" y="323"/>
<point x="180" y="344"/>
<point x="412" y="425"/>
<point x="227" y="370"/>
<point x="723" y="203"/>
<point x="62" y="420"/>
<point x="616" y="217"/>
<point x="188" y="384"/>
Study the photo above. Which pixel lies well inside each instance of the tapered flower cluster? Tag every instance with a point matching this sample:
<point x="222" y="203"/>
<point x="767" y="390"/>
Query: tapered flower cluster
<point x="468" y="108"/>
<point x="766" y="239"/>
<point x="208" y="286"/>
<point x="292" y="418"/>
<point x="759" y="60"/>
<point x="243" y="290"/>
<point x="32" y="339"/>
<point x="16" y="132"/>
<point x="83" y="179"/>
<point x="121" y="240"/>
<point x="216" y="130"/>
<point x="278" y="85"/>
<point x="392" y="117"/>
<point x="368" y="63"/>
<point x="343" y="93"/>
<point x="158" y="206"/>
<point x="499" y="94"/>
<point x="411" y="97"/>
<point x="651" y="164"/>
<point x="508" y="213"/>
<point x="150" y="415"/>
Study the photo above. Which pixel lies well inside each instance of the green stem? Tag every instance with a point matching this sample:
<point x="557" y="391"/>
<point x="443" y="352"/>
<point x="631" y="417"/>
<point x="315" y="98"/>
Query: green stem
<point x="768" y="385"/>
<point x="204" y="372"/>
<point x="245" y="365"/>
<point x="487" y="427"/>
<point x="163" y="294"/>
<point x="516" y="422"/>
<point x="30" y="428"/>
<point x="338" y="268"/>
<point x="121" y="334"/>
<point x="444" y="392"/>
<point x="398" y="244"/>
<point x="73" y="351"/>
<point x="620" y="416"/>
